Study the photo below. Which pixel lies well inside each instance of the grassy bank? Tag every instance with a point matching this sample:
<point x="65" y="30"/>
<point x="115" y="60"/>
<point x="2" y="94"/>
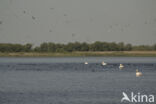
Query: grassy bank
<point x="67" y="54"/>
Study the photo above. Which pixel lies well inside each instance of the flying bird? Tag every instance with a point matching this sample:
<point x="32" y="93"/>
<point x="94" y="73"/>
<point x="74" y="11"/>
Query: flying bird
<point x="52" y="8"/>
<point x="50" y="30"/>
<point x="65" y="14"/>
<point x="24" y="11"/>
<point x="1" y="22"/>
<point x="73" y="34"/>
<point x="33" y="18"/>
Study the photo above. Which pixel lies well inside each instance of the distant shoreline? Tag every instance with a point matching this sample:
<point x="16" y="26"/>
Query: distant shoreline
<point x="77" y="54"/>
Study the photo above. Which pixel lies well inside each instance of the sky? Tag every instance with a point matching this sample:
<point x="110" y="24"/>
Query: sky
<point x="63" y="21"/>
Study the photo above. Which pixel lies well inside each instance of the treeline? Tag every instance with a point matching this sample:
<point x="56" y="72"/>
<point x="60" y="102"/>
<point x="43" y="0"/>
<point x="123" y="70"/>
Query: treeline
<point x="76" y="46"/>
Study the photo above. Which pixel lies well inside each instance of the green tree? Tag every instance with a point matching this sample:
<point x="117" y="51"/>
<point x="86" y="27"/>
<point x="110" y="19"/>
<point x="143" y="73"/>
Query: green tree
<point x="128" y="47"/>
<point x="154" y="47"/>
<point x="37" y="49"/>
<point x="69" y="47"/>
<point x="52" y="47"/>
<point x="44" y="47"/>
<point x="28" y="47"/>
<point x="121" y="46"/>
<point x="96" y="46"/>
<point x="84" y="47"/>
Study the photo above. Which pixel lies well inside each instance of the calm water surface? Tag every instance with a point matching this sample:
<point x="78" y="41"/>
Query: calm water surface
<point x="68" y="81"/>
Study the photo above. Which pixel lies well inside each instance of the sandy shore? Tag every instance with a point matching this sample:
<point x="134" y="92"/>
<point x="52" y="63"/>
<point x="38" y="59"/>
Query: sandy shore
<point x="67" y="54"/>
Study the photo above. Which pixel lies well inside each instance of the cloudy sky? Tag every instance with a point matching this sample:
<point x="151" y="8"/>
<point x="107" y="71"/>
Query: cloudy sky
<point x="37" y="21"/>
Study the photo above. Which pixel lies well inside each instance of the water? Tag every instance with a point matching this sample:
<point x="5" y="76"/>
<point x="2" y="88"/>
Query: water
<point x="69" y="81"/>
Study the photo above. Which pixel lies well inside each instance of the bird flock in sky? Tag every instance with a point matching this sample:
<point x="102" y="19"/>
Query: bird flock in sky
<point x="116" y="27"/>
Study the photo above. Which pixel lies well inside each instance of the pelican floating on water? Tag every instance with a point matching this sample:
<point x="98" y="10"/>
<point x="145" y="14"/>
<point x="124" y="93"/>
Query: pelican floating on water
<point x="86" y="63"/>
<point x="103" y="63"/>
<point x="121" y="66"/>
<point x="138" y="74"/>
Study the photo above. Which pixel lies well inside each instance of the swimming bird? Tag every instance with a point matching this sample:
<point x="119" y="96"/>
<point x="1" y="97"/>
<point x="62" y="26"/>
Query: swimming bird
<point x="86" y="63"/>
<point x="121" y="66"/>
<point x="103" y="63"/>
<point x="138" y="74"/>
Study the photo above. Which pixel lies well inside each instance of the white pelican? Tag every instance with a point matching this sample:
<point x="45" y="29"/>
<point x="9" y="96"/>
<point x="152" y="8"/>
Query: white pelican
<point x="121" y="66"/>
<point x="138" y="74"/>
<point x="86" y="63"/>
<point x="103" y="63"/>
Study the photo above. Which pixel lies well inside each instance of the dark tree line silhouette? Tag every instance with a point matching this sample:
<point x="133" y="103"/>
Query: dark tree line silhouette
<point x="76" y="46"/>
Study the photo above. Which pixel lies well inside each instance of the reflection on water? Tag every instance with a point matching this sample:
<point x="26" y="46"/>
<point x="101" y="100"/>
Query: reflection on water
<point x="50" y="81"/>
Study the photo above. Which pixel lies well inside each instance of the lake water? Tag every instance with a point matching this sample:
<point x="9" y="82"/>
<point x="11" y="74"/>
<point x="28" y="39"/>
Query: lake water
<point x="68" y="81"/>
